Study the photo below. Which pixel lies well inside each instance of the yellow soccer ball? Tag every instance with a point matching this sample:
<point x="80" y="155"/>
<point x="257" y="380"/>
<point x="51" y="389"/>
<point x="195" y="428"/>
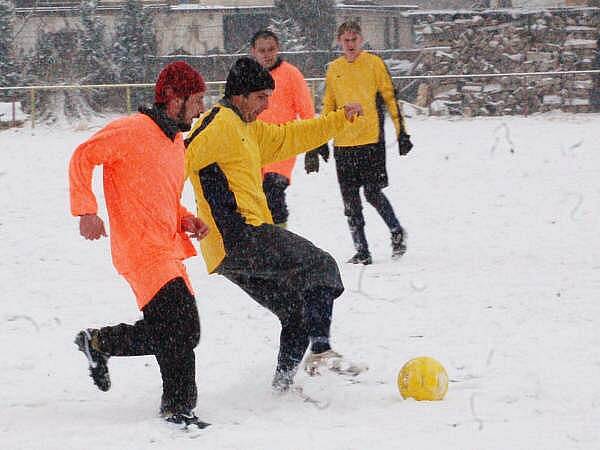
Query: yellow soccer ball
<point x="423" y="378"/>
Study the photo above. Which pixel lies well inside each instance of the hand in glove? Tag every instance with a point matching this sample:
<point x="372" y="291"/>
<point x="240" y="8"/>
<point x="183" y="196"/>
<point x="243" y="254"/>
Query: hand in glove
<point x="404" y="144"/>
<point x="311" y="158"/>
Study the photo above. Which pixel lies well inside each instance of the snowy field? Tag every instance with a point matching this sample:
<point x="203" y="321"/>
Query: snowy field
<point x="501" y="284"/>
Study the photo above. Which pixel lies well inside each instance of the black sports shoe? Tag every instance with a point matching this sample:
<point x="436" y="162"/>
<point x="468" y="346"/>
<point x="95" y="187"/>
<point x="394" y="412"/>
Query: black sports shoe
<point x="98" y="361"/>
<point x="186" y="419"/>
<point x="361" y="258"/>
<point x="398" y="243"/>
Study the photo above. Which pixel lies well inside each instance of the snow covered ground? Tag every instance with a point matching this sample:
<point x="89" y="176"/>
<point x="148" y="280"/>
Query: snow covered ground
<point x="501" y="284"/>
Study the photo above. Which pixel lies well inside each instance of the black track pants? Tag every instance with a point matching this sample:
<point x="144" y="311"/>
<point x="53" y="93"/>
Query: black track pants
<point x="170" y="330"/>
<point x="291" y="277"/>
<point x="374" y="195"/>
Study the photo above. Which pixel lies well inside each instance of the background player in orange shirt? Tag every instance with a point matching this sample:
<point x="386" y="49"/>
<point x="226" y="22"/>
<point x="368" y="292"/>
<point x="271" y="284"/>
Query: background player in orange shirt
<point x="142" y="156"/>
<point x="291" y="99"/>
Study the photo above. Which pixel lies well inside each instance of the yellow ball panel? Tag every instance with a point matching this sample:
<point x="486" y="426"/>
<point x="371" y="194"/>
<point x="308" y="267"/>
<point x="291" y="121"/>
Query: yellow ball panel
<point x="423" y="378"/>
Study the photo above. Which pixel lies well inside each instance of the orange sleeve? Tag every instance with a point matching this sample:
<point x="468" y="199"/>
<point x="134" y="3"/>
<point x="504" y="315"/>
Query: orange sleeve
<point x="183" y="211"/>
<point x="100" y="149"/>
<point x="303" y="102"/>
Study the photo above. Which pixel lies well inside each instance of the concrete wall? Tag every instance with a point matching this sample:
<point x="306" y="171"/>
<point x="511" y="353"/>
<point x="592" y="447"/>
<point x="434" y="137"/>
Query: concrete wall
<point x="381" y="28"/>
<point x="197" y="29"/>
<point x="28" y="26"/>
<point x="193" y="31"/>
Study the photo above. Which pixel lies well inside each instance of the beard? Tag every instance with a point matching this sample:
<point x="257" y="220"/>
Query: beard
<point x="181" y="123"/>
<point x="182" y="126"/>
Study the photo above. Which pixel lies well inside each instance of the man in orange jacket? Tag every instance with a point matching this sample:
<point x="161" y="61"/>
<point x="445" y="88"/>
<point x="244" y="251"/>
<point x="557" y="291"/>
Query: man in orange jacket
<point x="143" y="167"/>
<point x="291" y="99"/>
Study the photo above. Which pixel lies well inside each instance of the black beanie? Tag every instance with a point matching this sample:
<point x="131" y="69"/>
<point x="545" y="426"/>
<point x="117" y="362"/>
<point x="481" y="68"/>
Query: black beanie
<point x="245" y="76"/>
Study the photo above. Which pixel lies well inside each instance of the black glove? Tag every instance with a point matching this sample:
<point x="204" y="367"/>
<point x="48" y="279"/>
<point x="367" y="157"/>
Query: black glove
<point x="274" y="180"/>
<point x="311" y="158"/>
<point x="404" y="144"/>
<point x="323" y="150"/>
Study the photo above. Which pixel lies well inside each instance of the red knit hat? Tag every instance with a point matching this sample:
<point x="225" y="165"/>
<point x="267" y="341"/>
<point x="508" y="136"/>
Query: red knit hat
<point x="179" y="76"/>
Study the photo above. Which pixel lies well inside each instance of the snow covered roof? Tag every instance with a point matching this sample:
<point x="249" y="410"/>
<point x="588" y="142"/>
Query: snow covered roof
<point x="511" y="11"/>
<point x="179" y="7"/>
<point x="377" y="7"/>
<point x="195" y="7"/>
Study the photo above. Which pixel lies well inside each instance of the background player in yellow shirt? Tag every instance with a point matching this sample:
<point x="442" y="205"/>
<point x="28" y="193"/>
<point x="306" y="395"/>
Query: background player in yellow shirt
<point x="361" y="77"/>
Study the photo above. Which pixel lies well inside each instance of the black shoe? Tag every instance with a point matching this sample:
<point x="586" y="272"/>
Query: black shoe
<point x="398" y="243"/>
<point x="361" y="258"/>
<point x="98" y="361"/>
<point x="188" y="419"/>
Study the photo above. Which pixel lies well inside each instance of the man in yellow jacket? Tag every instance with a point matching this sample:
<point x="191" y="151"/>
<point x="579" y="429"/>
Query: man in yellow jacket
<point x="291" y="99"/>
<point x="280" y="270"/>
<point x="359" y="153"/>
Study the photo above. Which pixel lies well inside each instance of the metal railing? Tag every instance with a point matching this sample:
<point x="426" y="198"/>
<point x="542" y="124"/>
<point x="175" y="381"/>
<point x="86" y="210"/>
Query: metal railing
<point x="217" y="87"/>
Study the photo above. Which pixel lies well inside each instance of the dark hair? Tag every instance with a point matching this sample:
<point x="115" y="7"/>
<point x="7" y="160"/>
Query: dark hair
<point x="349" y="25"/>
<point x="263" y="34"/>
<point x="245" y="76"/>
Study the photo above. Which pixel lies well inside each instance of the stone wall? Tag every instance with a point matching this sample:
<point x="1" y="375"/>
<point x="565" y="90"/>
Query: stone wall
<point x="509" y="41"/>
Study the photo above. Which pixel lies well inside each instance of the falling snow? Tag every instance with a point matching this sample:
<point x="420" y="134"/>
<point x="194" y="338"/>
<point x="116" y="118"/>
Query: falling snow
<point x="500" y="284"/>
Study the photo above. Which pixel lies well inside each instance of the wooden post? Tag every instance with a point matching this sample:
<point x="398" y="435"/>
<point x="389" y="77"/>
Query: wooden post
<point x="128" y="99"/>
<point x="32" y="94"/>
<point x="14" y="112"/>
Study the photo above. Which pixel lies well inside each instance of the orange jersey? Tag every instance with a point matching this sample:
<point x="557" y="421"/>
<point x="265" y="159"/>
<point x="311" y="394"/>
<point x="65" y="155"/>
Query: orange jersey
<point x="143" y="179"/>
<point x="291" y="99"/>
